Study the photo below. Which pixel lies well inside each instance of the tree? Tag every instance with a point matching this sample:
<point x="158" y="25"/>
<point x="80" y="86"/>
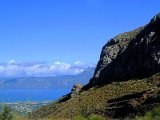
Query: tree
<point x="6" y="114"/>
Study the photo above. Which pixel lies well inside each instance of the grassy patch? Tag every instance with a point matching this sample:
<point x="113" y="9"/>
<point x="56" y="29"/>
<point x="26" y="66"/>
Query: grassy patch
<point x="97" y="100"/>
<point x="152" y="115"/>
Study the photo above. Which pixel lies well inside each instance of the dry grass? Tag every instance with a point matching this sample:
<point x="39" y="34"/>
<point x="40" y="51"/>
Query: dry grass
<point x="96" y="99"/>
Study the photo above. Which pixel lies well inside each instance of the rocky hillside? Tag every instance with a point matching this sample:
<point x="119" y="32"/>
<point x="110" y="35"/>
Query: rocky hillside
<point x="126" y="82"/>
<point x="131" y="55"/>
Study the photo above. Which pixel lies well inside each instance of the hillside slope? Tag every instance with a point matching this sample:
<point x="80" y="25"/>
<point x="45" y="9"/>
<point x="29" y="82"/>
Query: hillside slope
<point x="126" y="82"/>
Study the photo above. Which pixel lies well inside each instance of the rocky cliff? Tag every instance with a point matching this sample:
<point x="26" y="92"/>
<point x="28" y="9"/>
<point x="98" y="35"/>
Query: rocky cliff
<point x="131" y="55"/>
<point x="126" y="82"/>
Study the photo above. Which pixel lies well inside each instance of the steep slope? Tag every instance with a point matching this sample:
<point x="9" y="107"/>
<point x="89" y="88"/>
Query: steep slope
<point x="126" y="82"/>
<point x="130" y="55"/>
<point x="116" y="100"/>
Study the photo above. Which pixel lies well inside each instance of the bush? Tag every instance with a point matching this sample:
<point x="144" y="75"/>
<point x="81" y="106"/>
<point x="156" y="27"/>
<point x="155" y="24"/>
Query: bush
<point x="6" y="114"/>
<point x="153" y="115"/>
<point x="18" y="117"/>
<point x="91" y="117"/>
<point x="96" y="117"/>
<point x="80" y="118"/>
<point x="86" y="111"/>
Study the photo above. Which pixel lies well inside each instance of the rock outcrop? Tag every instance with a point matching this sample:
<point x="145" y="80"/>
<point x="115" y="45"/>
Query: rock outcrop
<point x="131" y="55"/>
<point x="76" y="90"/>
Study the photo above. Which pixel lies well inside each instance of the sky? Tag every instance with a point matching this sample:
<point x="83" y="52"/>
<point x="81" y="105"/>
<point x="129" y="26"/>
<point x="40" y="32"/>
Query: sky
<point x="39" y="35"/>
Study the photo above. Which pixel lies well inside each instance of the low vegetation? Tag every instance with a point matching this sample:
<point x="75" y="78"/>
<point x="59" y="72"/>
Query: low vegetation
<point x="152" y="115"/>
<point x="91" y="117"/>
<point x="104" y="100"/>
<point x="8" y="114"/>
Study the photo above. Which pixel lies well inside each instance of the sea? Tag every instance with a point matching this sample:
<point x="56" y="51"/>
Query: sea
<point x="31" y="95"/>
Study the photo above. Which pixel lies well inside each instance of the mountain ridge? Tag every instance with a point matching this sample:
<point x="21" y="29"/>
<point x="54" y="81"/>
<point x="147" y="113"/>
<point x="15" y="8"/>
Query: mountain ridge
<point x="65" y="81"/>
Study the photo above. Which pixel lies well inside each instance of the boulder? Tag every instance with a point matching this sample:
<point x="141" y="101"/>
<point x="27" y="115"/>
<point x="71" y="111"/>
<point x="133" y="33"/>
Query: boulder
<point x="76" y="90"/>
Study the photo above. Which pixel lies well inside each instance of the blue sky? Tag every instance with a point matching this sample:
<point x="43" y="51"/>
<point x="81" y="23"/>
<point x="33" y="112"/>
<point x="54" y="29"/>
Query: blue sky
<point x="66" y="30"/>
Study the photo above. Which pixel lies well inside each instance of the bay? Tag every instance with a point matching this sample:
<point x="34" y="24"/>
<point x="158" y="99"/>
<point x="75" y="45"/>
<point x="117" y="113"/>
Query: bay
<point x="31" y="95"/>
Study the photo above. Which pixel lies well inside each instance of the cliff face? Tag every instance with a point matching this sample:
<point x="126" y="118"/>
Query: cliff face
<point x="131" y="55"/>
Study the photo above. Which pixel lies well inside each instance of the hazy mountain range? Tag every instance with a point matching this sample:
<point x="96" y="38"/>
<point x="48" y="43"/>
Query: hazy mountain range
<point x="64" y="81"/>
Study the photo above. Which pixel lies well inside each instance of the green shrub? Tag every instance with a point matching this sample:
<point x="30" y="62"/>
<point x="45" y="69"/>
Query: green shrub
<point x="91" y="117"/>
<point x="153" y="115"/>
<point x="18" y="117"/>
<point x="80" y="118"/>
<point x="86" y="111"/>
<point x="96" y="117"/>
<point x="6" y="114"/>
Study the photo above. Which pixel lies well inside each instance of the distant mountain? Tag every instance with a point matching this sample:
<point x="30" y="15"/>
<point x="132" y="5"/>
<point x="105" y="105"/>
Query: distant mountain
<point x="65" y="81"/>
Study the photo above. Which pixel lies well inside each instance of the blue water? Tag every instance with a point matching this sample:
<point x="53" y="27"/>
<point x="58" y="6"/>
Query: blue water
<point x="30" y="95"/>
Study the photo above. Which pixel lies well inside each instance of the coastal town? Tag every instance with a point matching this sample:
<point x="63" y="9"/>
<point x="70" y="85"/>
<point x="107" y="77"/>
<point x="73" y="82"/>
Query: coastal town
<point x="24" y="108"/>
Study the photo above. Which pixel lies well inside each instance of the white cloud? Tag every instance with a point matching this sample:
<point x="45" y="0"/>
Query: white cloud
<point x="14" y="68"/>
<point x="11" y="62"/>
<point x="78" y="63"/>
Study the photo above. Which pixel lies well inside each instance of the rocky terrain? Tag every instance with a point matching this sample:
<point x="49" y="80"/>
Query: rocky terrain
<point x="126" y="82"/>
<point x="131" y="55"/>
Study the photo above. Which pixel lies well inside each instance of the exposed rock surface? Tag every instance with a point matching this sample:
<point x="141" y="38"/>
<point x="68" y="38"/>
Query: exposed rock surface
<point x="131" y="55"/>
<point x="75" y="90"/>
